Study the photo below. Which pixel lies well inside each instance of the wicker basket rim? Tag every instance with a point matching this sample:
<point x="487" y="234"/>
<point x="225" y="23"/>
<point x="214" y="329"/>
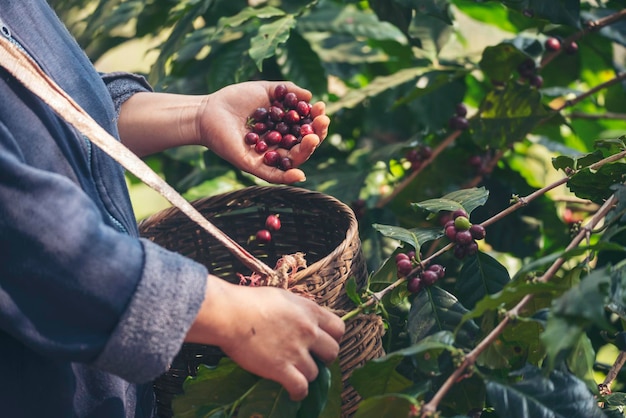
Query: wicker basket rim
<point x="350" y="234"/>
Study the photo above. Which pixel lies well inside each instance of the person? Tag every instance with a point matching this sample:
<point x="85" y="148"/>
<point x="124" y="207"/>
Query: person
<point x="90" y="313"/>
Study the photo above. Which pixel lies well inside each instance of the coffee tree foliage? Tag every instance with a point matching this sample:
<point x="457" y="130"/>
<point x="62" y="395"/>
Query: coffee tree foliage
<point x="392" y="73"/>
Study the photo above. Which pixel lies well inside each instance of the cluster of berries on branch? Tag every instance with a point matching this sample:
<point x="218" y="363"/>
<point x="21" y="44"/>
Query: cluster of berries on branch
<point x="282" y="125"/>
<point x="426" y="277"/>
<point x="463" y="234"/>
<point x="417" y="156"/>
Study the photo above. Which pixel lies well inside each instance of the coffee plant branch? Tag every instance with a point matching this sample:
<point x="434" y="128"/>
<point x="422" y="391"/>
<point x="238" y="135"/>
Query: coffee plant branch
<point x="605" y="386"/>
<point x="431" y="407"/>
<point x="590" y="26"/>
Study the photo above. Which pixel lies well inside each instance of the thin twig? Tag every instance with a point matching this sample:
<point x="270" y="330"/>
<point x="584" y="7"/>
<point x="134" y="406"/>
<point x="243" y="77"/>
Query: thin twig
<point x="577" y="99"/>
<point x="605" y="386"/>
<point x="597" y="116"/>
<point x="592" y="26"/>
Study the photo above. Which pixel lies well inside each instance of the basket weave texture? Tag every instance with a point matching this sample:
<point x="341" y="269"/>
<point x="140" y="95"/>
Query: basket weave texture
<point x="318" y="225"/>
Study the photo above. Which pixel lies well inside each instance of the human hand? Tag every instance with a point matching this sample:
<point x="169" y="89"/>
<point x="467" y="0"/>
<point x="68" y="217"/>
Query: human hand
<point x="268" y="331"/>
<point x="222" y="126"/>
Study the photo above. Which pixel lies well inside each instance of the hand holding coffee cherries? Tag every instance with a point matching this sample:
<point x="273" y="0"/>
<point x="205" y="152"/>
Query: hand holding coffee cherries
<point x="229" y="115"/>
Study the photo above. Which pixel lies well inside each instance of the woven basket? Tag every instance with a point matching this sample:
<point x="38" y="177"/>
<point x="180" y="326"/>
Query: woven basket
<point x="320" y="226"/>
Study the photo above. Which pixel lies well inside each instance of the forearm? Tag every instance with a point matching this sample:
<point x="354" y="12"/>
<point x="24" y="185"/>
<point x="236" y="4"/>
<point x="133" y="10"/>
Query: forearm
<point x="153" y="122"/>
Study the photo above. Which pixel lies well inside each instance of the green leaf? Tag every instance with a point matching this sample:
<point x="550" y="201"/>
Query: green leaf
<point x="332" y="409"/>
<point x="415" y="237"/>
<point x="211" y="388"/>
<point x="480" y="276"/>
<point x="395" y="405"/>
<point x="352" y="291"/>
<point x="229" y="59"/>
<point x="558" y="395"/>
<point x="315" y="402"/>
<point x="439" y="9"/>
<point x="301" y="65"/>
<point x="379" y="377"/>
<point x="467" y="199"/>
<point x="581" y="362"/>
<point x="492" y="13"/>
<point x="507" y="116"/>
<point x="563" y="162"/>
<point x="500" y="62"/>
<point x="434" y="310"/>
<point x="268" y="399"/>
<point x="511" y="295"/>
<point x="596" y="186"/>
<point x="270" y="36"/>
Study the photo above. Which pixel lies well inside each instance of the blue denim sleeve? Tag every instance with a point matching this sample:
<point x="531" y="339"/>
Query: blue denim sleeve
<point x="122" y="86"/>
<point x="75" y="289"/>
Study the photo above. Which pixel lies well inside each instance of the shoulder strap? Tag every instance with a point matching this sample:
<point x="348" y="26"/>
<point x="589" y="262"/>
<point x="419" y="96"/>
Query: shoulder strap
<point x="28" y="72"/>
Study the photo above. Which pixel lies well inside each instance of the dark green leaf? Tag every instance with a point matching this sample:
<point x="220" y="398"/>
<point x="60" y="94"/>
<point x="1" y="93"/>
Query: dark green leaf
<point x="333" y="403"/>
<point x="500" y="62"/>
<point x="439" y="9"/>
<point x="268" y="399"/>
<point x="315" y="402"/>
<point x="434" y="310"/>
<point x="596" y="185"/>
<point x="394" y="405"/>
<point x="558" y="395"/>
<point x="352" y="291"/>
<point x="211" y="388"/>
<point x="379" y="377"/>
<point x="228" y="61"/>
<point x="581" y="362"/>
<point x="480" y="276"/>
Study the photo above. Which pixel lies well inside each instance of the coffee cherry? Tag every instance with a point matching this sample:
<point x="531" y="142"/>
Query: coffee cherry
<point x="412" y="155"/>
<point x="462" y="223"/>
<point x="271" y="158"/>
<point x="472" y="248"/>
<point x="282" y="127"/>
<point x="414" y="285"/>
<point x="272" y="223"/>
<point x="273" y="138"/>
<point x="279" y="92"/>
<point x="464" y="237"/>
<point x="251" y="138"/>
<point x="290" y="100"/>
<point x="458" y="123"/>
<point x="459" y="212"/>
<point x="260" y="114"/>
<point x="571" y="48"/>
<point x="263" y="236"/>
<point x="260" y="128"/>
<point x="401" y="256"/>
<point x="303" y="108"/>
<point x="425" y="152"/>
<point x="536" y="81"/>
<point x="460" y="251"/>
<point x="461" y="110"/>
<point x="429" y="277"/>
<point x="261" y="146"/>
<point x="306" y="129"/>
<point x="552" y="44"/>
<point x="527" y="68"/>
<point x="404" y="266"/>
<point x="438" y="269"/>
<point x="450" y="232"/>
<point x="288" y="141"/>
<point x="291" y="117"/>
<point x="286" y="163"/>
<point x="276" y="113"/>
<point x="477" y="231"/>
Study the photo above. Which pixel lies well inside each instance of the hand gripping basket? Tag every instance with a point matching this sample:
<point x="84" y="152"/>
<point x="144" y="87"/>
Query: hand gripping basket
<point x="320" y="226"/>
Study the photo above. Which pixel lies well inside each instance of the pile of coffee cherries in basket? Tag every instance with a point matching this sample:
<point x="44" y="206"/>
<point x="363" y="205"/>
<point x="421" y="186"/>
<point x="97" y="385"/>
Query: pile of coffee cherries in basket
<point x="282" y="125"/>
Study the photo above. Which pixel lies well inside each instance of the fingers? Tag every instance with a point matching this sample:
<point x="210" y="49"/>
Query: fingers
<point x="296" y="383"/>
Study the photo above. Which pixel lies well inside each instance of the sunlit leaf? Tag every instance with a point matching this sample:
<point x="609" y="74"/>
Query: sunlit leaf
<point x="415" y="237"/>
<point x="468" y="199"/>
<point x="271" y="35"/>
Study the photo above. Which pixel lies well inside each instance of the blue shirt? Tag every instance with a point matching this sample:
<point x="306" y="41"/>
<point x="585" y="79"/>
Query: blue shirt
<point x="89" y="312"/>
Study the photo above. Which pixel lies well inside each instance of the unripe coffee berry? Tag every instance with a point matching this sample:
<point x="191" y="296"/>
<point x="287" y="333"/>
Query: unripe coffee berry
<point x="462" y="223"/>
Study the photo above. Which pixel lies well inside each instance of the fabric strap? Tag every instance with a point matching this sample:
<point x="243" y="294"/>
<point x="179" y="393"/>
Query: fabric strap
<point x="28" y="72"/>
